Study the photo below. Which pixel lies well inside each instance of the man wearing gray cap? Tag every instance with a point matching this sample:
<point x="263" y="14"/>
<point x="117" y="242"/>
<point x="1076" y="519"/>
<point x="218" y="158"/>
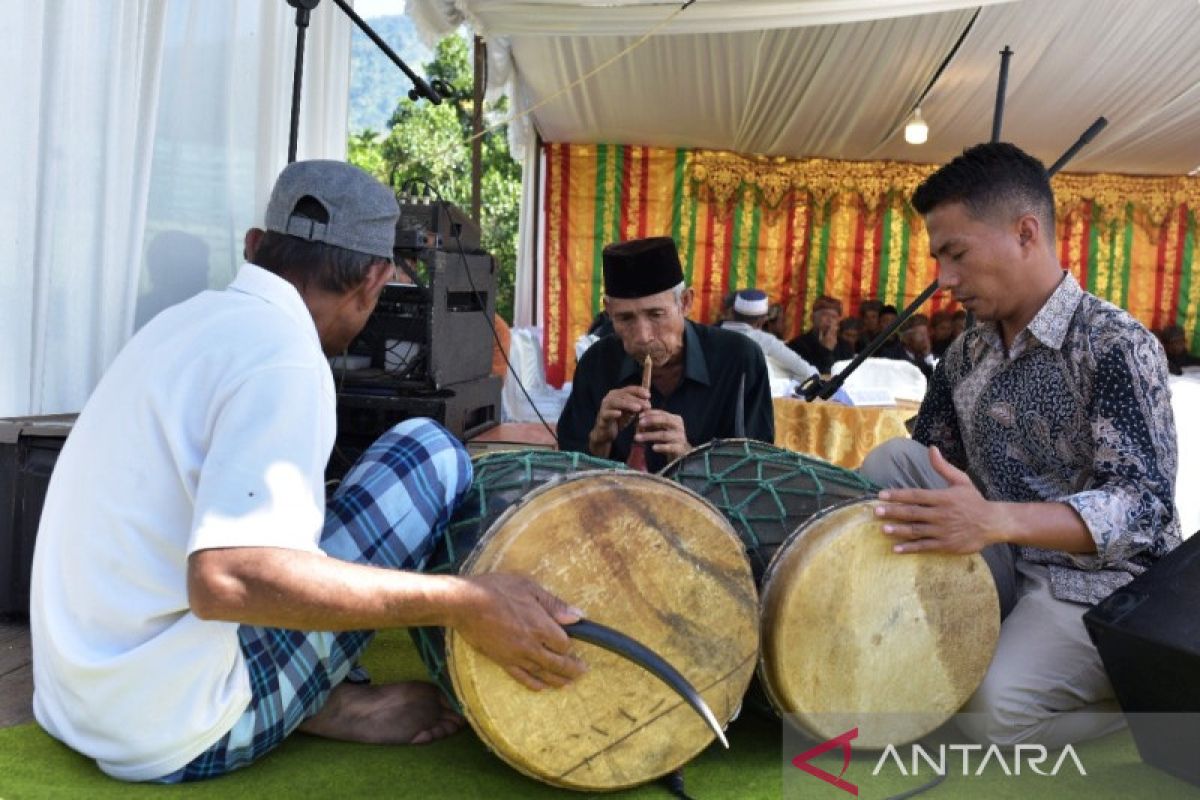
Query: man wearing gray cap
<point x="194" y="599"/>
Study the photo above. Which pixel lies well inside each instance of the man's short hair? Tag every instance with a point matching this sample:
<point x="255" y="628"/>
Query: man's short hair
<point x="870" y="305"/>
<point x="941" y="316"/>
<point x="311" y="263"/>
<point x="996" y="181"/>
<point x="960" y="314"/>
<point x="915" y="321"/>
<point x="1171" y="333"/>
<point x="825" y="302"/>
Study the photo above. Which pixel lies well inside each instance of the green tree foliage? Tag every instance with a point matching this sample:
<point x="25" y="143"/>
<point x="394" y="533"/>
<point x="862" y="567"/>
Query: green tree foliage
<point x="375" y="82"/>
<point x="430" y="143"/>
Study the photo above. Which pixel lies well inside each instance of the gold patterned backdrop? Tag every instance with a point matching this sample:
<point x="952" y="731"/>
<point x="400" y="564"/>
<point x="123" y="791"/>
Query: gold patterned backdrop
<point x="801" y="228"/>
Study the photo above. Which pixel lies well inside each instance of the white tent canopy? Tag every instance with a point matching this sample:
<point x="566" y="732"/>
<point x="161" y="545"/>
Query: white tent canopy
<point x="840" y="78"/>
<point x="779" y="78"/>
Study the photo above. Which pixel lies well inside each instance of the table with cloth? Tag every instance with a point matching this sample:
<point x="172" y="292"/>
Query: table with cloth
<point x="836" y="432"/>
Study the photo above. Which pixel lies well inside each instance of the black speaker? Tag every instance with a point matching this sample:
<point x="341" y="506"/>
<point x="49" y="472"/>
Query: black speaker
<point x="433" y="336"/>
<point x="1148" y="635"/>
<point x="425" y="222"/>
<point x="29" y="448"/>
<point x="465" y="409"/>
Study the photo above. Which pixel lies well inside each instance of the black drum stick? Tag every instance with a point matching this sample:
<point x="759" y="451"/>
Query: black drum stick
<point x="633" y="650"/>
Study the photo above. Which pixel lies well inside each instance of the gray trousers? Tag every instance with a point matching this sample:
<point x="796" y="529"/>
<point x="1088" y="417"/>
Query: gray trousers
<point x="1046" y="684"/>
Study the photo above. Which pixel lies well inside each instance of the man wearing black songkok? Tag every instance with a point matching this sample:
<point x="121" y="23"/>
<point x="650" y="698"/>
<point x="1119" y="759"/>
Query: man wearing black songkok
<point x="699" y="372"/>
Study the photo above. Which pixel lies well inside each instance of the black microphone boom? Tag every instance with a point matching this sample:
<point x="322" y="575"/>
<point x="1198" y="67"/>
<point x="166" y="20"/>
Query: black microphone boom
<point x="303" y="11"/>
<point x="1080" y="143"/>
<point x="420" y="87"/>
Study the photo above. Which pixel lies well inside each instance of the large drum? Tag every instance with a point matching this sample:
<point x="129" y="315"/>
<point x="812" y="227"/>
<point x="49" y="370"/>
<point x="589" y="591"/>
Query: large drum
<point x="853" y="634"/>
<point x="635" y="552"/>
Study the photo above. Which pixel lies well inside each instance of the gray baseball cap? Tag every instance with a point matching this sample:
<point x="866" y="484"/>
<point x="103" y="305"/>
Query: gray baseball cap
<point x="362" y="211"/>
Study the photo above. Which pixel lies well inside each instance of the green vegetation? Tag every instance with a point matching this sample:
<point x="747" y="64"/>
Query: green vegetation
<point x="425" y="142"/>
<point x="375" y="82"/>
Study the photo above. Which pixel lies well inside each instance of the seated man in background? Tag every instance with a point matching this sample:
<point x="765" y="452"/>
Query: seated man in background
<point x="914" y="345"/>
<point x="941" y="331"/>
<point x="850" y="332"/>
<point x="820" y="345"/>
<point x="887" y="315"/>
<point x="1175" y="343"/>
<point x="707" y="383"/>
<point x="1046" y="442"/>
<point x="194" y="601"/>
<point x="776" y="321"/>
<point x="868" y="316"/>
<point x="748" y="316"/>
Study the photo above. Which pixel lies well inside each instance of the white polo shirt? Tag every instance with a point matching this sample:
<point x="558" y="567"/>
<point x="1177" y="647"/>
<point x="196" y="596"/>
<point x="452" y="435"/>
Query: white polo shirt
<point x="210" y="429"/>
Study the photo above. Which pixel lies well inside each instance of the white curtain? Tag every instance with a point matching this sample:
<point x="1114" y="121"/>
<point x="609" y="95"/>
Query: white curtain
<point x="77" y="130"/>
<point x="223" y="127"/>
<point x="143" y="137"/>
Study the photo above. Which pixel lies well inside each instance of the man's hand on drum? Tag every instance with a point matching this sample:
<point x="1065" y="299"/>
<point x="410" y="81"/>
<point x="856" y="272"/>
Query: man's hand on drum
<point x="617" y="409"/>
<point x="664" y="432"/>
<point x="518" y="624"/>
<point x="957" y="519"/>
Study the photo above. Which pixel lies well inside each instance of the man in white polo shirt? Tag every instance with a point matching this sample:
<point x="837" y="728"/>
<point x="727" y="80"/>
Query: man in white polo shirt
<point x="194" y="601"/>
<point x="748" y="317"/>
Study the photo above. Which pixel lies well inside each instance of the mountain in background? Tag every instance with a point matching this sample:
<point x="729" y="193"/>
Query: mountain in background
<point x="376" y="84"/>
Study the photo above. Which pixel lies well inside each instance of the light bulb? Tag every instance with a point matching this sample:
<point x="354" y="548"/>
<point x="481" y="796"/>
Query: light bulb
<point x="916" y="131"/>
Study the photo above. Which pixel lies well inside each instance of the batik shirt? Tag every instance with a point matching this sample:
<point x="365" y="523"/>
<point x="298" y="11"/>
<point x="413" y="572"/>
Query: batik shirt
<point x="1077" y="411"/>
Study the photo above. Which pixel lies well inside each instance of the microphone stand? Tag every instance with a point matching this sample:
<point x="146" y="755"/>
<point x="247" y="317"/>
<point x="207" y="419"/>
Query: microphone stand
<point x="814" y="387"/>
<point x="304" y="10"/>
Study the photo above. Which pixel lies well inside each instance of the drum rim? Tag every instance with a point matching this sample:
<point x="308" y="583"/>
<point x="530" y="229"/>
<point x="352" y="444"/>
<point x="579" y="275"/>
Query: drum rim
<point x="493" y="531"/>
<point x="795" y="718"/>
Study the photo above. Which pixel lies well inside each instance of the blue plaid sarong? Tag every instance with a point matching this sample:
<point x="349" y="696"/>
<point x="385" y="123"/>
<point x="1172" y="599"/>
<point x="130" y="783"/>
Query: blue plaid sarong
<point x="389" y="510"/>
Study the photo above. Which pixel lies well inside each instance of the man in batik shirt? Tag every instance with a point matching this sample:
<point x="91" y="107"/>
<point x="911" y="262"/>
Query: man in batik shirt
<point x="1046" y="441"/>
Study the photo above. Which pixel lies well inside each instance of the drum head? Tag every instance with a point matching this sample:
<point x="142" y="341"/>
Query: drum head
<point x="650" y="559"/>
<point x="855" y="635"/>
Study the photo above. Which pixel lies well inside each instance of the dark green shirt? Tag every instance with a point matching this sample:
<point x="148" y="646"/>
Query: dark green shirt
<point x="715" y="362"/>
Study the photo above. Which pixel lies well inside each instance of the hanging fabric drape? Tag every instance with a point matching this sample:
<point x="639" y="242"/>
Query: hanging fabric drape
<point x="145" y="137"/>
<point x="78" y="131"/>
<point x="802" y="228"/>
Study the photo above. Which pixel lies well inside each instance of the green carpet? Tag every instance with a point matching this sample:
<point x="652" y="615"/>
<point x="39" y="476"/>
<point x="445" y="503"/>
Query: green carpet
<point x="32" y="765"/>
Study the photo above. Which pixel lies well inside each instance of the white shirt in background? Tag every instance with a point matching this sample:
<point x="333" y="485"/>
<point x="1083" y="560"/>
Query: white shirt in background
<point x="780" y="357"/>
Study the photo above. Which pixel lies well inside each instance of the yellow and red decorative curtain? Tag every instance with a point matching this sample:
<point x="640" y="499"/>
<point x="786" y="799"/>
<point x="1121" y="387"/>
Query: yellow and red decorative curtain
<point x="798" y="229"/>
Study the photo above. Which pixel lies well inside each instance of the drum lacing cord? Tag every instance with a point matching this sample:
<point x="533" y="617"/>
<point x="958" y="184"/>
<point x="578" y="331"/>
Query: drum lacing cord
<point x="674" y="784"/>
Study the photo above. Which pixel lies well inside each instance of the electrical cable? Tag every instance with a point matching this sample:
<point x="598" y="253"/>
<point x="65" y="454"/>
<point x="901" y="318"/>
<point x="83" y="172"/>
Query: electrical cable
<point x="490" y="322"/>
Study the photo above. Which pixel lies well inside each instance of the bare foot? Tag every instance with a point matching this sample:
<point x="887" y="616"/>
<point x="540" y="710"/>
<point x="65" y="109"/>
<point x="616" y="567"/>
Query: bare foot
<point x="413" y="712"/>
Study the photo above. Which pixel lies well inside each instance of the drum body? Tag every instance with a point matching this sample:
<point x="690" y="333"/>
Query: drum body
<point x="766" y="492"/>
<point x="635" y="552"/>
<point x="853" y="634"/>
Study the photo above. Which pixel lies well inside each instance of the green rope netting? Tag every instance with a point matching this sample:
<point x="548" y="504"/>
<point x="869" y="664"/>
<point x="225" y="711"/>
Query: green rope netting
<point x="765" y="492"/>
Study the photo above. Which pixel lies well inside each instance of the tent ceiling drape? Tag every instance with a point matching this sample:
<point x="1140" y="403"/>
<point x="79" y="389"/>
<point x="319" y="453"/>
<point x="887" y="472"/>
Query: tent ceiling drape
<point x="778" y="78"/>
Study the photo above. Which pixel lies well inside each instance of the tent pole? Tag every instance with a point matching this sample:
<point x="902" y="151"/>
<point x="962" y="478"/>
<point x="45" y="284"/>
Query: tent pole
<point x="998" y="114"/>
<point x="479" y="86"/>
